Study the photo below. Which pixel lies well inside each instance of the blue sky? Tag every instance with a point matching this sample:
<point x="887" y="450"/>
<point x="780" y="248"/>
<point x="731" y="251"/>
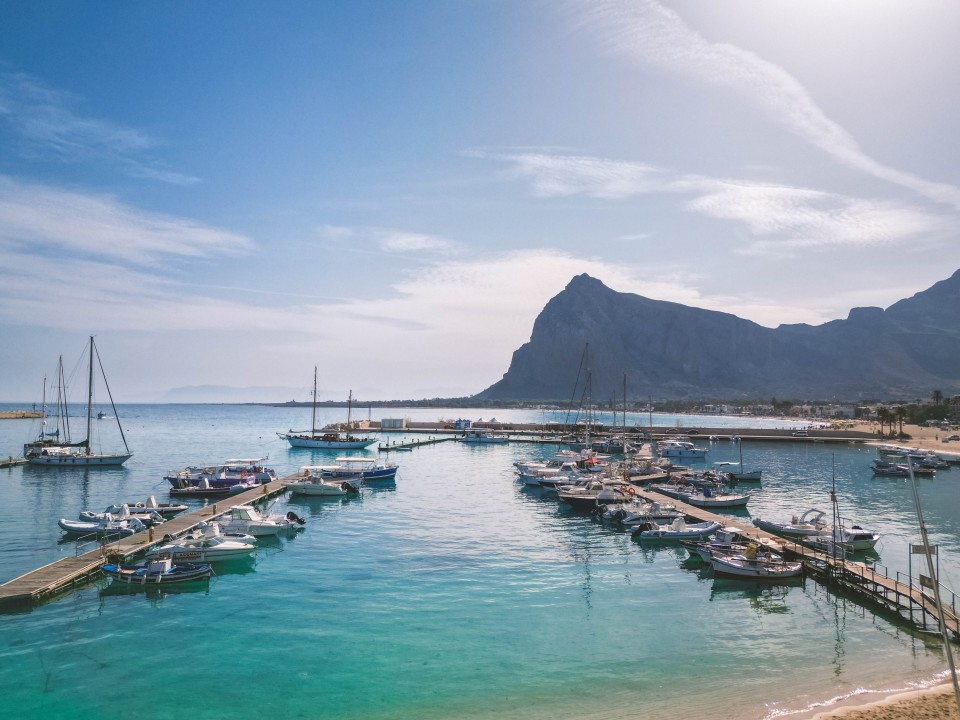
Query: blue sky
<point x="229" y="193"/>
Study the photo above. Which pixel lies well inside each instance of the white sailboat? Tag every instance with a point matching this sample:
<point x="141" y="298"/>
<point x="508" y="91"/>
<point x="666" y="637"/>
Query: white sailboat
<point x="326" y="440"/>
<point x="65" y="453"/>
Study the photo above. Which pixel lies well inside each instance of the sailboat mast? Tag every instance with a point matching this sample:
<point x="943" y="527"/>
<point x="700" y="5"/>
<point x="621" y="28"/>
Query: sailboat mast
<point x="313" y="417"/>
<point x="349" y="407"/>
<point x="89" y="396"/>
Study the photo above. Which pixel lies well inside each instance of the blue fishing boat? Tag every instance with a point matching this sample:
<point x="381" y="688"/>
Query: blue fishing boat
<point x="156" y="572"/>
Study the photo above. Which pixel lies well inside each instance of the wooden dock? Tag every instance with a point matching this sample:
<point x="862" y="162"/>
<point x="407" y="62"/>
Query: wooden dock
<point x="898" y="594"/>
<point x="388" y="447"/>
<point x="12" y="461"/>
<point x="65" y="573"/>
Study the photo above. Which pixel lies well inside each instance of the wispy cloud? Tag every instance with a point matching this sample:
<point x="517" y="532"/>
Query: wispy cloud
<point x="50" y="128"/>
<point x="646" y="32"/>
<point x="781" y="217"/>
<point x="50" y="222"/>
<point x="387" y="239"/>
<point x="552" y="174"/>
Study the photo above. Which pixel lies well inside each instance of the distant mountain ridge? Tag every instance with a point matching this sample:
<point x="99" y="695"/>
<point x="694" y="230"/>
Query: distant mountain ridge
<point x="673" y="351"/>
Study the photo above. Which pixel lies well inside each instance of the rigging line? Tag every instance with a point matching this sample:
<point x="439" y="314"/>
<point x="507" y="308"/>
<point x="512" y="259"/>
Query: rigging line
<point x="110" y="395"/>
<point x="935" y="581"/>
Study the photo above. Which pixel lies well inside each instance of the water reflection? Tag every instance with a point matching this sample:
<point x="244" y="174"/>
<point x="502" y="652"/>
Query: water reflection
<point x="763" y="597"/>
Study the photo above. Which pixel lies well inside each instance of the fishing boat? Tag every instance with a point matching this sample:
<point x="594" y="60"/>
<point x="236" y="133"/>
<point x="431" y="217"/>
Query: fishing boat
<point x="68" y="454"/>
<point x="359" y="469"/>
<point x="326" y="439"/>
<point x="752" y="564"/>
<point x="227" y="474"/>
<point x="204" y="489"/>
<point x="726" y="541"/>
<point x="156" y="572"/>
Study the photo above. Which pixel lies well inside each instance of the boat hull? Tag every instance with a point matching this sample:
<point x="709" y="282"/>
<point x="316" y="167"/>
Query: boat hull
<point x="79" y="460"/>
<point x="140" y="574"/>
<point x="299" y="441"/>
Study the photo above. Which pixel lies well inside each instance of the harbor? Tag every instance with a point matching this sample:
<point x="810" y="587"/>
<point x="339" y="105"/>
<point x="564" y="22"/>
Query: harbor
<point x="478" y="567"/>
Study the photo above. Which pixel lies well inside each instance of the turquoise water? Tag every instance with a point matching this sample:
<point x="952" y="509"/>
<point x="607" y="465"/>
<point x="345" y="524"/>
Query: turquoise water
<point x="454" y="594"/>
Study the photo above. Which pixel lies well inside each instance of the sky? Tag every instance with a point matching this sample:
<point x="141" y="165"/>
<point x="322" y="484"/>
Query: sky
<point x="228" y="194"/>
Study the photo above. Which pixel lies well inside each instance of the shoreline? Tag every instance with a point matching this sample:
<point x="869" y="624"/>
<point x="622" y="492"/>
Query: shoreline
<point x="934" y="703"/>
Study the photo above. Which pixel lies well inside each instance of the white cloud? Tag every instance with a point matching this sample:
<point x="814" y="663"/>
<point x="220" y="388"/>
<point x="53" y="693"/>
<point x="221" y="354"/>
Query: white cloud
<point x="48" y="221"/>
<point x="396" y="241"/>
<point x="784" y="216"/>
<point x="50" y="129"/>
<point x="647" y="32"/>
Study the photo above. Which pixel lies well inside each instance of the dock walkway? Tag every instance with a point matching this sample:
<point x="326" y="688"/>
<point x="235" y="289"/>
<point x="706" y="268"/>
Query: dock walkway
<point x="67" y="572"/>
<point x="903" y="596"/>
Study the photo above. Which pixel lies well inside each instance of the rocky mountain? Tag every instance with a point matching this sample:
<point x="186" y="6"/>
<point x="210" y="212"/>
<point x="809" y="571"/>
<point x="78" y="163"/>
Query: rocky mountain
<point x="668" y="350"/>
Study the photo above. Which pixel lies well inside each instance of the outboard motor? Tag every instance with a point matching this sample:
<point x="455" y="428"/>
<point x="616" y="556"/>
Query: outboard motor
<point x="293" y="517"/>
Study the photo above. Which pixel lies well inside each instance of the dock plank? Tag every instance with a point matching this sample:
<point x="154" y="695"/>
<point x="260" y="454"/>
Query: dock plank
<point x="66" y="572"/>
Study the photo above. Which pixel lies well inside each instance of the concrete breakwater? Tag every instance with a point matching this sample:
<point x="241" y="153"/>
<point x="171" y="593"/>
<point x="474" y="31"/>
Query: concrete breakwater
<point x="19" y="415"/>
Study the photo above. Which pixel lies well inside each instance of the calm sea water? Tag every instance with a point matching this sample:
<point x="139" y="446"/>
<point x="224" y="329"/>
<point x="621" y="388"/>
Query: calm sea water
<point x="453" y="594"/>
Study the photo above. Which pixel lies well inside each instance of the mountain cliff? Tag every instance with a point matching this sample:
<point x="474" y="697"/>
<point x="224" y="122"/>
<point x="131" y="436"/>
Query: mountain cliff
<point x="669" y="350"/>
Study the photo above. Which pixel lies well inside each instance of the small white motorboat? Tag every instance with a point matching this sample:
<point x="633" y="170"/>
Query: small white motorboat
<point x="247" y="519"/>
<point x="677" y="530"/>
<point x="109" y="526"/>
<point x="202" y="548"/>
<point x="313" y="481"/>
<point x="123" y="512"/>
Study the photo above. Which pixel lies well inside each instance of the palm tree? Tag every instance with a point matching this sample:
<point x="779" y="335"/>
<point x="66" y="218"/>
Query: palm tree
<point x="884" y="416"/>
<point x="900" y="414"/>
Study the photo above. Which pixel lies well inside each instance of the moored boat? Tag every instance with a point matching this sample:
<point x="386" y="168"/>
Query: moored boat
<point x="753" y="564"/>
<point x="677" y="530"/>
<point x="156" y="572"/>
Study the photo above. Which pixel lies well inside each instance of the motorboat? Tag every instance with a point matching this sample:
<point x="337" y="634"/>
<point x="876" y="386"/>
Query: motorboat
<point x="810" y="523"/>
<point x="359" y="469"/>
<point x="637" y="512"/>
<point x="122" y="512"/>
<point x="677" y="530"/>
<point x="753" y="564"/>
<point x="479" y="437"/>
<point x="104" y="528"/>
<point x="247" y="519"/>
<point x="151" y="505"/>
<point x="156" y="572"/>
<point x="229" y="473"/>
<point x="702" y="496"/>
<point x="726" y="541"/>
<point x="109" y="526"/>
<point x="680" y="448"/>
<point x="312" y="481"/>
<point x="202" y="547"/>
<point x="204" y="488"/>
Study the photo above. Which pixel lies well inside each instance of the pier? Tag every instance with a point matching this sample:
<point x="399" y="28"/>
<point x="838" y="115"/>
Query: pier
<point x="387" y="447"/>
<point x="871" y="583"/>
<point x="49" y="580"/>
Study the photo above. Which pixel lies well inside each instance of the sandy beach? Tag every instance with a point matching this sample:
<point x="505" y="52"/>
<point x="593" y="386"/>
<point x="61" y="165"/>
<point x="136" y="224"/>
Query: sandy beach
<point x="937" y="703"/>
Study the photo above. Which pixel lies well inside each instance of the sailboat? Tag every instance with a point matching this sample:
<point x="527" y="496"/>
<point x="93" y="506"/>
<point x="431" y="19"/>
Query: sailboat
<point x="748" y="475"/>
<point x="326" y="440"/>
<point x="67" y="453"/>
